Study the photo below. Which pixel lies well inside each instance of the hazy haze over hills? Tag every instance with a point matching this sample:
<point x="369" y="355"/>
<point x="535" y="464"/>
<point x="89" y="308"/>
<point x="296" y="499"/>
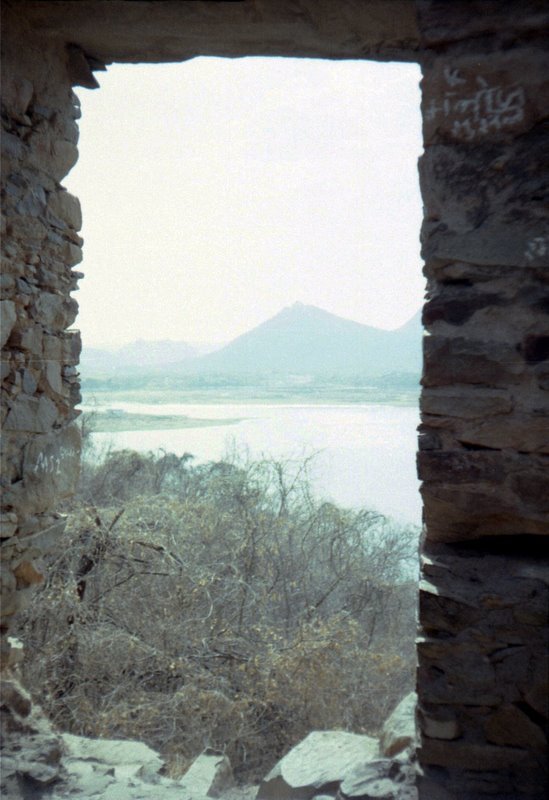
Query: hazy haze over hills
<point x="300" y="339"/>
<point x="140" y="355"/>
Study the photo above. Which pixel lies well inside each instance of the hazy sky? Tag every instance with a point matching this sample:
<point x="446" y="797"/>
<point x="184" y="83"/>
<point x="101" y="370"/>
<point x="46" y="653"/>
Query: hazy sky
<point x="218" y="191"/>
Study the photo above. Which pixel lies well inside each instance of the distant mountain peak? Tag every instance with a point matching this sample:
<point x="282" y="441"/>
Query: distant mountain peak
<point x="300" y="338"/>
<point x="294" y="308"/>
<point x="306" y="339"/>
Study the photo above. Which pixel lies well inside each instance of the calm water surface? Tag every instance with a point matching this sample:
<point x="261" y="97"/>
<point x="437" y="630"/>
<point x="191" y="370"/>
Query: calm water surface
<point x="366" y="453"/>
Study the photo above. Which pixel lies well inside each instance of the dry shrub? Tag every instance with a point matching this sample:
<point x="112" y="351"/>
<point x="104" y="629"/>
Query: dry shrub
<point x="221" y="605"/>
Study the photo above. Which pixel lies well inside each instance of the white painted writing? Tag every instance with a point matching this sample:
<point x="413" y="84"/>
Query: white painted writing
<point x="489" y="108"/>
<point x="52" y="464"/>
<point x="453" y="77"/>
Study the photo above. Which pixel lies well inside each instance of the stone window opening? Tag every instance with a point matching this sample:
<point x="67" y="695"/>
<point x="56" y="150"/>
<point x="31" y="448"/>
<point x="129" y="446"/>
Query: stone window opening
<point x="95" y="551"/>
<point x="482" y="448"/>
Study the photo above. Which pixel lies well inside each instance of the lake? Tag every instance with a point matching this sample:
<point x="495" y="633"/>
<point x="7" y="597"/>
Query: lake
<point x="365" y="452"/>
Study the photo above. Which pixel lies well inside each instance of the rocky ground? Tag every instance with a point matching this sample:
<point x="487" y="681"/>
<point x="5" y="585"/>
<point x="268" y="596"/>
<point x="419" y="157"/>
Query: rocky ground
<point x="39" y="763"/>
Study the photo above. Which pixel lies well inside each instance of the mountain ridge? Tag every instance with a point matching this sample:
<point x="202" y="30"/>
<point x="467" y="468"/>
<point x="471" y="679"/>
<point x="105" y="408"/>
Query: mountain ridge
<point x="299" y="339"/>
<point x="307" y="339"/>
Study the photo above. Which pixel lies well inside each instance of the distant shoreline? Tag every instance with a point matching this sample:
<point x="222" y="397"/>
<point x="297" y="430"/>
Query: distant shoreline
<point x="112" y="421"/>
<point x="215" y="397"/>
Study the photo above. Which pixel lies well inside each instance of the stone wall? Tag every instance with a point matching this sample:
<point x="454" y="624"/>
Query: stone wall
<point x="484" y="449"/>
<point x="40" y="246"/>
<point x="484" y="438"/>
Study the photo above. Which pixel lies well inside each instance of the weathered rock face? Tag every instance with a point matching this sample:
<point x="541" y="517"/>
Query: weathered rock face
<point x="381" y="779"/>
<point x="335" y="765"/>
<point x="38" y="762"/>
<point x="484" y="439"/>
<point x="210" y="774"/>
<point x="399" y="729"/>
<point x="40" y="246"/>
<point x="318" y="765"/>
<point x="31" y="751"/>
<point x="484" y="445"/>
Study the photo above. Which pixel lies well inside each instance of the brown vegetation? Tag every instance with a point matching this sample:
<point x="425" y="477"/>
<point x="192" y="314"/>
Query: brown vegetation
<point x="220" y="604"/>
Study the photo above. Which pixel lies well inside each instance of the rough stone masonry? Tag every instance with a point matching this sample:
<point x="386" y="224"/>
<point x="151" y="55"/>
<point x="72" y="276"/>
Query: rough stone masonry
<point x="484" y="440"/>
<point x="40" y="246"/>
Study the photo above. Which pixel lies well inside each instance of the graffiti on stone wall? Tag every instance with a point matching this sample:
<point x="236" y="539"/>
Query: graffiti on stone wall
<point x="53" y="463"/>
<point x="537" y="247"/>
<point x="475" y="111"/>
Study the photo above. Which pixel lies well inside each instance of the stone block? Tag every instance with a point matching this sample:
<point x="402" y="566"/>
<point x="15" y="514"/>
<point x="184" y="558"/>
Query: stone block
<point x="8" y="524"/>
<point x="531" y="486"/>
<point x="53" y="347"/>
<point x="507" y="244"/>
<point x="55" y="311"/>
<point x="428" y="438"/>
<point x="7" y="283"/>
<point x="534" y="347"/>
<point x="29" y="381"/>
<point x="526" y="434"/>
<point x="210" y="775"/>
<point x="469" y="755"/>
<point x="16" y="93"/>
<point x="28" y="547"/>
<point x="322" y="759"/>
<point x="67" y="207"/>
<point x="27" y="230"/>
<point x="472" y="511"/>
<point x="31" y="414"/>
<point x="456" y="306"/>
<point x="380" y="779"/>
<point x="127" y="759"/>
<point x="447" y="729"/>
<point x="12" y="149"/>
<point x="65" y="156"/>
<point x="27" y="338"/>
<point x="54" y="157"/>
<point x="72" y="254"/>
<point x="448" y="361"/>
<point x="33" y="202"/>
<point x="72" y="347"/>
<point x="53" y="377"/>
<point x="461" y="466"/>
<point x="8" y="317"/>
<point x="536" y="692"/>
<point x="399" y="730"/>
<point x="510" y="726"/>
<point x="466" y="403"/>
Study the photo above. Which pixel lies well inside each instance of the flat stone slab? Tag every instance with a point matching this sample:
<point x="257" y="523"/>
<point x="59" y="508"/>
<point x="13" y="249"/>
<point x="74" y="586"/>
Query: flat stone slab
<point x="210" y="774"/>
<point x="399" y="730"/>
<point x="128" y="759"/>
<point x="319" y="763"/>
